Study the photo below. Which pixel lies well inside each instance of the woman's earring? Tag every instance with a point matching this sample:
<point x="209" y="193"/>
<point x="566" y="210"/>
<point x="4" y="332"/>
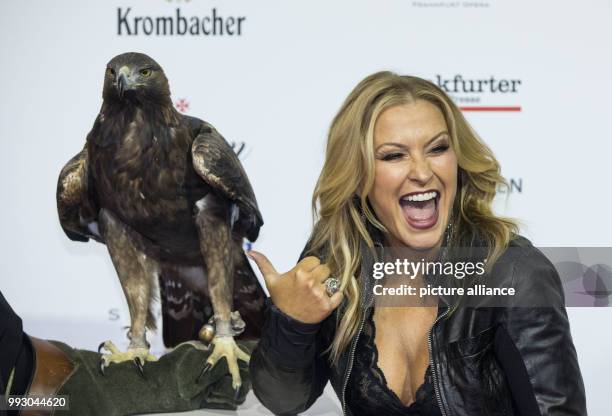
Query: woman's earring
<point x="446" y="242"/>
<point x="449" y="232"/>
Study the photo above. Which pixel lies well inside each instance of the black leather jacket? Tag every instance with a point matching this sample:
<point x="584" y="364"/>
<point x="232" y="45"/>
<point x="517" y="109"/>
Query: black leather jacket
<point x="485" y="361"/>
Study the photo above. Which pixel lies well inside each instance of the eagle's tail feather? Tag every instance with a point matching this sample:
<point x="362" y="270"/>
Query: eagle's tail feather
<point x="183" y="312"/>
<point x="186" y="305"/>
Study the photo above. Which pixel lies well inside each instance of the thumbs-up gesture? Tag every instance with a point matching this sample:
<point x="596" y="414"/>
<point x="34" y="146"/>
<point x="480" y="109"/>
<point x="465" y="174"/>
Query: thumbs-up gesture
<point x="300" y="292"/>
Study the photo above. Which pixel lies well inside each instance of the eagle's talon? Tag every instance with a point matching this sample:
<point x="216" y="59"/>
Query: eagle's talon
<point x="207" y="367"/>
<point x="236" y="393"/>
<point x="138" y="364"/>
<point x="108" y="346"/>
<point x="225" y="347"/>
<point x="137" y="355"/>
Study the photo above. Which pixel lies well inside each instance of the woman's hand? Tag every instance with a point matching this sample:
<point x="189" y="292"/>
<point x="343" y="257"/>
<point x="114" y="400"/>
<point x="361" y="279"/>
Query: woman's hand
<point x="299" y="293"/>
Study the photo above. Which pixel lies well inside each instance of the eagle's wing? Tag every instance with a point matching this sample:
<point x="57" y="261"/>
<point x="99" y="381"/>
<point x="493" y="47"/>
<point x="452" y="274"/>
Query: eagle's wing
<point x="74" y="205"/>
<point x="217" y="163"/>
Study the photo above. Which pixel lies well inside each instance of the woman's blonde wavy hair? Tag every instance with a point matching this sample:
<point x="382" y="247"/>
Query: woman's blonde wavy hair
<point x="340" y="203"/>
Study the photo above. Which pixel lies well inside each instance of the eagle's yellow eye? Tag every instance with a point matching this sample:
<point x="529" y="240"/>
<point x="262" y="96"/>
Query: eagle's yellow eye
<point x="145" y="72"/>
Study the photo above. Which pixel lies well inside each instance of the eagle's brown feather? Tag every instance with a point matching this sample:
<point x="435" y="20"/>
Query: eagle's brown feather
<point x="73" y="201"/>
<point x="163" y="187"/>
<point x="217" y="163"/>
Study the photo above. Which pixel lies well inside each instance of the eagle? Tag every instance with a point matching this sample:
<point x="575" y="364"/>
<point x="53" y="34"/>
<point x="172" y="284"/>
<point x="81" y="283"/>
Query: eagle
<point x="171" y="201"/>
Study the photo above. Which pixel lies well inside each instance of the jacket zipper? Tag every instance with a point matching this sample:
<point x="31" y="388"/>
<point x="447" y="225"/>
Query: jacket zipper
<point x="350" y="364"/>
<point x="369" y="303"/>
<point x="431" y="363"/>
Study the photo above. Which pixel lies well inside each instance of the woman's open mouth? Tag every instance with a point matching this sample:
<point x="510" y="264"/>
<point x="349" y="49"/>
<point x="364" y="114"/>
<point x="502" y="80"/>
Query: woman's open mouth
<point x="421" y="209"/>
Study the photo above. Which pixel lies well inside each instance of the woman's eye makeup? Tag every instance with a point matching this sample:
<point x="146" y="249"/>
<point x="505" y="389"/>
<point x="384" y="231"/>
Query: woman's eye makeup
<point x="390" y="156"/>
<point x="395" y="154"/>
<point x="440" y="148"/>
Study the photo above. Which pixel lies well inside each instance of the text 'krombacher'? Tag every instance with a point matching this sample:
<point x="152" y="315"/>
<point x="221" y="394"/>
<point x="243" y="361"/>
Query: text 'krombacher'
<point x="177" y="24"/>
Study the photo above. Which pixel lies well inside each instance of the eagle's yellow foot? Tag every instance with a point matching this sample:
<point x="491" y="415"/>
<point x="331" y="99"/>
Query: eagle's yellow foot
<point x="225" y="346"/>
<point x="139" y="356"/>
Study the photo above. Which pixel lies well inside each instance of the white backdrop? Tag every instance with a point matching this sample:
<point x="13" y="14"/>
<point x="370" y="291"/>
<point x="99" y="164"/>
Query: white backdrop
<point x="276" y="87"/>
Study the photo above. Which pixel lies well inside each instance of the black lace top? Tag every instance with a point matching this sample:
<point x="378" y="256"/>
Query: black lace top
<point x="367" y="392"/>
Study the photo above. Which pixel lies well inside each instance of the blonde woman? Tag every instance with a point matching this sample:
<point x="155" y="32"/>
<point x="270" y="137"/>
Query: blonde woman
<point x="404" y="169"/>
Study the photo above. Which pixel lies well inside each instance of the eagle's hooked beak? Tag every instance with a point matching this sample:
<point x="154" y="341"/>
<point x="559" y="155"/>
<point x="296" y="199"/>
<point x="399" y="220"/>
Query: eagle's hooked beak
<point x="123" y="81"/>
